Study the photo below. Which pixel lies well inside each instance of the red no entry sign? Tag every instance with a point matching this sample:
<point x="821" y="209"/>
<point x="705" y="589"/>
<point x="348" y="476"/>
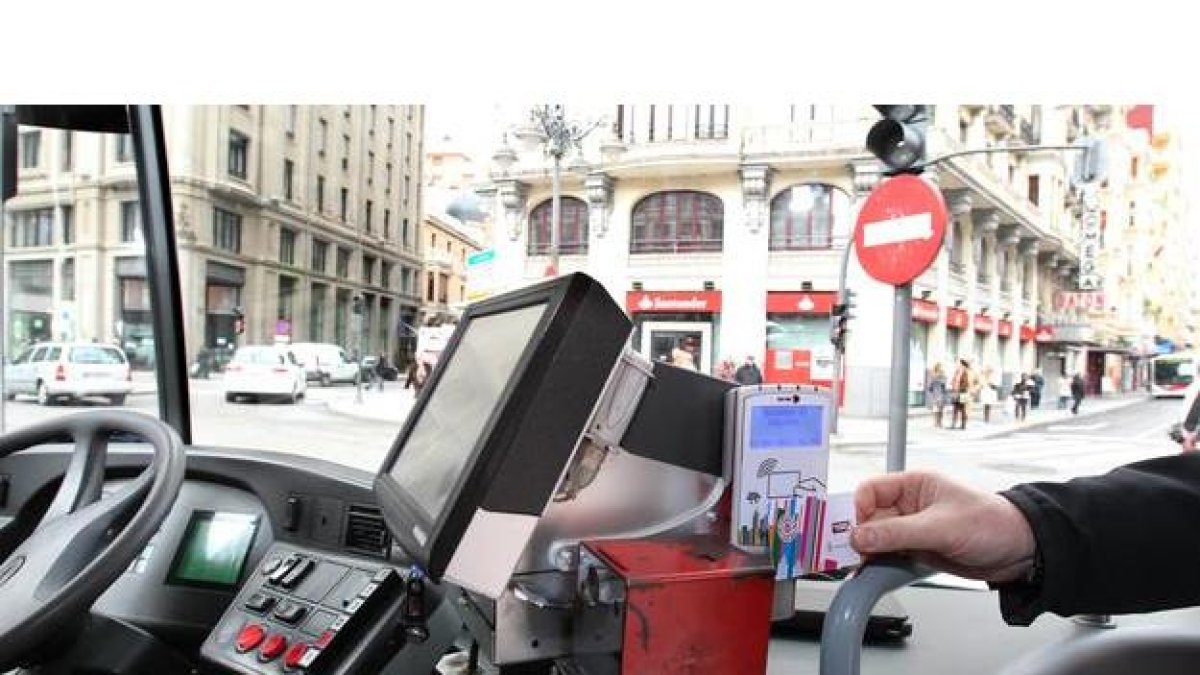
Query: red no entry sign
<point x="900" y="229"/>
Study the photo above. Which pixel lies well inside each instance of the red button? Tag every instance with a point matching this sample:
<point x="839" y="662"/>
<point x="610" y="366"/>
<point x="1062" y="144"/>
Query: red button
<point x="292" y="659"/>
<point x="323" y="641"/>
<point x="249" y="637"/>
<point x="273" y="647"/>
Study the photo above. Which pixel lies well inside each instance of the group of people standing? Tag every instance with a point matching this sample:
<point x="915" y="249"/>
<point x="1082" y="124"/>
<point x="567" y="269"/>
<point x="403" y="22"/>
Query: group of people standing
<point x="966" y="386"/>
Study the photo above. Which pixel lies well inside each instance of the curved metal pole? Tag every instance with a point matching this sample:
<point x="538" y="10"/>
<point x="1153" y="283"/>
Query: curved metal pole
<point x="846" y="620"/>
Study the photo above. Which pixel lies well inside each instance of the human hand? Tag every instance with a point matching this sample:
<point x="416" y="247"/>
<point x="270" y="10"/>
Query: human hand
<point x="943" y="524"/>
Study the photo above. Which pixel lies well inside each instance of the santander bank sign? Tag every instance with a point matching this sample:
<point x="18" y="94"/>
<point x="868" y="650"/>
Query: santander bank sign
<point x="673" y="301"/>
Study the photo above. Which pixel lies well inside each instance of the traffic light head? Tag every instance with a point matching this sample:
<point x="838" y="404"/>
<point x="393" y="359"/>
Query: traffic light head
<point x="898" y="140"/>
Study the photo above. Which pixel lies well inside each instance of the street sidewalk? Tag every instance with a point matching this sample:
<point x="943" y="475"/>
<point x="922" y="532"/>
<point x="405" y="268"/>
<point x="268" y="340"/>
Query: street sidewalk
<point x="859" y="431"/>
<point x="394" y="403"/>
<point x="390" y="405"/>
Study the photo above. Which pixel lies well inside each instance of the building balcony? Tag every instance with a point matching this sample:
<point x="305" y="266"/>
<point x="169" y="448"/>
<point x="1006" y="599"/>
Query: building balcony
<point x="1001" y="120"/>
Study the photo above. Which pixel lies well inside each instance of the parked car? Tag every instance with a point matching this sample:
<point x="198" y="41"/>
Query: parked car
<point x="54" y="371"/>
<point x="324" y="363"/>
<point x="264" y="371"/>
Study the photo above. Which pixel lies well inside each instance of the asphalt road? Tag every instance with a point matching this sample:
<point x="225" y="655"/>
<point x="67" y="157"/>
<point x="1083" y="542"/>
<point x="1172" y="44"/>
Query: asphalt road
<point x="1054" y="451"/>
<point x="307" y="428"/>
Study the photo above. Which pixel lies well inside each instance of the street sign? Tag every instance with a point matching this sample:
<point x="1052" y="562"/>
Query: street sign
<point x="481" y="274"/>
<point x="900" y="229"/>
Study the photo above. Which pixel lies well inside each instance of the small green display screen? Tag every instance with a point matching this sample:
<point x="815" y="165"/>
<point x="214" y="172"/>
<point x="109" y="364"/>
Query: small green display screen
<point x="214" y="549"/>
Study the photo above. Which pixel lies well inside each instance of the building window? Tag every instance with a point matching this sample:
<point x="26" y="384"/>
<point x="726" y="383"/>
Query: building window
<point x="289" y="120"/>
<point x="370" y="167"/>
<point x="407" y="188"/>
<point x="443" y="288"/>
<point x="387" y="185"/>
<point x="572" y="231"/>
<point x="387" y="223"/>
<point x="391" y="129"/>
<point x="429" y="288"/>
<point x="227" y="230"/>
<point x="31" y="149"/>
<point x="287" y="297"/>
<point x="67" y="213"/>
<point x="68" y="150"/>
<point x="385" y="274"/>
<point x="712" y="121"/>
<point x="124" y="148"/>
<point x="131" y="222"/>
<point x="367" y="215"/>
<point x="404" y="232"/>
<point x="287" y="246"/>
<point x="289" y="169"/>
<point x="316" y="313"/>
<point x="1034" y="189"/>
<point x="322" y="137"/>
<point x="68" y="278"/>
<point x="345" y="203"/>
<point x="320" y="194"/>
<point x="368" y="269"/>
<point x="677" y="222"/>
<point x="320" y="253"/>
<point x="806" y="217"/>
<point x="345" y="152"/>
<point x="31" y="228"/>
<point x="343" y="262"/>
<point x="239" y="147"/>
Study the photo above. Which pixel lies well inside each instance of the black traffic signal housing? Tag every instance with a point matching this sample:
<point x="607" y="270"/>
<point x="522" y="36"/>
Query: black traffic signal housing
<point x="898" y="140"/>
<point x="840" y="317"/>
<point x="239" y="321"/>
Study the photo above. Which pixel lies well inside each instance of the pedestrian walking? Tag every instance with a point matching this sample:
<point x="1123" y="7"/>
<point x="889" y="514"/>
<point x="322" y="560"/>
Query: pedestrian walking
<point x="1035" y="395"/>
<point x="381" y="366"/>
<point x="1077" y="391"/>
<point x="726" y="369"/>
<point x="418" y="373"/>
<point x="937" y="394"/>
<point x="960" y="389"/>
<point x="748" y="373"/>
<point x="1020" y="395"/>
<point x="989" y="393"/>
<point x="1064" y="392"/>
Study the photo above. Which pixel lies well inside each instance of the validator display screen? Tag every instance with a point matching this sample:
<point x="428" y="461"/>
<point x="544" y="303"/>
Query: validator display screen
<point x="214" y="549"/>
<point x="786" y="426"/>
<point x="437" y="450"/>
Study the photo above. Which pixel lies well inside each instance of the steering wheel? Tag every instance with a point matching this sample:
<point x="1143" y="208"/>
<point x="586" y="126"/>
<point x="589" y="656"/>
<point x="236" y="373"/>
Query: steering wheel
<point x="79" y="547"/>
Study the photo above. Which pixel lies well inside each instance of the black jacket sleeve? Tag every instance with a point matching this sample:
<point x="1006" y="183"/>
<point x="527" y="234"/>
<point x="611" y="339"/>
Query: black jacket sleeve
<point x="1122" y="543"/>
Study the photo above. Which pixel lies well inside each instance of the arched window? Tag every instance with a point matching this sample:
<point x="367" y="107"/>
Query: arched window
<point x="806" y="216"/>
<point x="572" y="232"/>
<point x="680" y="221"/>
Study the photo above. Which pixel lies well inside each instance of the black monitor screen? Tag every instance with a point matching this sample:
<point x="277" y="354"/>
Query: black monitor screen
<point x="214" y="549"/>
<point x="467" y="394"/>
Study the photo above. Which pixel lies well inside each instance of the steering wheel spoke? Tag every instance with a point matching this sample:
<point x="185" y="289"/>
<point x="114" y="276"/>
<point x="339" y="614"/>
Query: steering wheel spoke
<point x="84" y="542"/>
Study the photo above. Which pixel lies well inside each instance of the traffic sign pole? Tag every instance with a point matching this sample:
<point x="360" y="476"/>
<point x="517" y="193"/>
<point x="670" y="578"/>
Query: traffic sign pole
<point x="898" y="391"/>
<point x="897" y="237"/>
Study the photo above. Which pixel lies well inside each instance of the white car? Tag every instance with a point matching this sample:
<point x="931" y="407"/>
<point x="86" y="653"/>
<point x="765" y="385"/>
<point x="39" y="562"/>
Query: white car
<point x="264" y="371"/>
<point x="324" y="363"/>
<point x="53" y="371"/>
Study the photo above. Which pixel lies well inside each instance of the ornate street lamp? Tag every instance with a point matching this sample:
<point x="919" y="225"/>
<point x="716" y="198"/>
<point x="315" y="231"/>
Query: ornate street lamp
<point x="558" y="137"/>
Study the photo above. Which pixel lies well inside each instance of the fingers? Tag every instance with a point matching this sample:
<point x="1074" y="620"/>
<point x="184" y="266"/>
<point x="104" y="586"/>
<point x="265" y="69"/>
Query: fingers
<point x="899" y="491"/>
<point x="916" y="532"/>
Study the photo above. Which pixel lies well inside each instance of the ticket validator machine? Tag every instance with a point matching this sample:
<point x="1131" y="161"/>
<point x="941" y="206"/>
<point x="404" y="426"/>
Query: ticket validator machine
<point x="585" y="510"/>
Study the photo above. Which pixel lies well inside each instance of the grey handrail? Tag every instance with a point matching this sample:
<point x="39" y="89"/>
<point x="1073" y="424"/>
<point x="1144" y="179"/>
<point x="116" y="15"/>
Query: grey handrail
<point x="846" y="620"/>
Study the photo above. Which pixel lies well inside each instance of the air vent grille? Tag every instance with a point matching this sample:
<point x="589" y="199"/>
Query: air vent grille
<point x="365" y="531"/>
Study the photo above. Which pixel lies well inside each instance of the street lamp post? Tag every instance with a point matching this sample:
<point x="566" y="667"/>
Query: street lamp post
<point x="559" y="137"/>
